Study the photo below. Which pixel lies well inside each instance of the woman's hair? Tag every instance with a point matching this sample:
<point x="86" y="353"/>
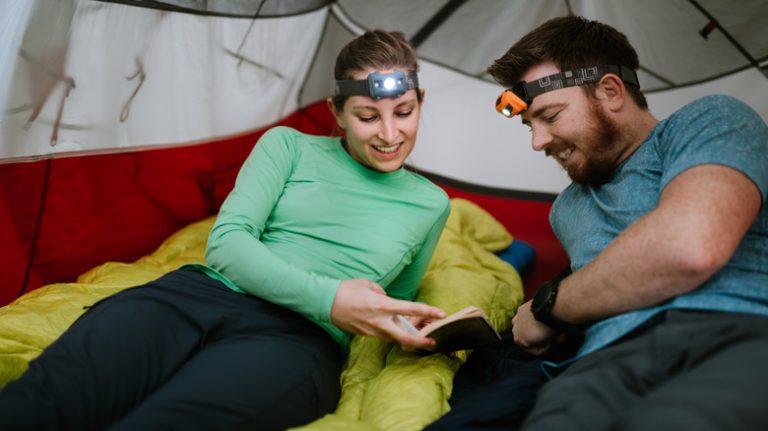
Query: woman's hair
<point x="570" y="43"/>
<point x="378" y="50"/>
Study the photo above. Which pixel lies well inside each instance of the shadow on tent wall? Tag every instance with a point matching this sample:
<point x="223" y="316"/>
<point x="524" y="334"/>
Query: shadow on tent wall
<point x="61" y="216"/>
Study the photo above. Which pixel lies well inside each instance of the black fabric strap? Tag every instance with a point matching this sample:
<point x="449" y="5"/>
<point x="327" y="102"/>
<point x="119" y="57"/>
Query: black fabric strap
<point x="581" y="76"/>
<point x="359" y="87"/>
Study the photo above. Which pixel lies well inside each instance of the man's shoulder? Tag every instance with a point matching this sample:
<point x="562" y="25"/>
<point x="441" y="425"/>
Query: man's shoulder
<point x="712" y="115"/>
<point x="715" y="105"/>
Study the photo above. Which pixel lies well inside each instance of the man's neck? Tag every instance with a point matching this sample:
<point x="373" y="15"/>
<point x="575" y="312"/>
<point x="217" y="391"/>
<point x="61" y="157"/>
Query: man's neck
<point x="638" y="126"/>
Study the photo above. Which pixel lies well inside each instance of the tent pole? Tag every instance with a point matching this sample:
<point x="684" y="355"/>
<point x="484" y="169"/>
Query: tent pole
<point x="437" y="19"/>
<point x="38" y="225"/>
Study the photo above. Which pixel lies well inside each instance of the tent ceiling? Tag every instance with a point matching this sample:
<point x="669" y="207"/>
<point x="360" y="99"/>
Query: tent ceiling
<point x="479" y="31"/>
<point x="475" y="32"/>
<point x="232" y="8"/>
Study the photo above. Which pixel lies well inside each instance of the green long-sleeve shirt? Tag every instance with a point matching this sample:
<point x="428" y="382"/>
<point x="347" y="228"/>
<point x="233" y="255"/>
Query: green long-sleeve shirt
<point x="304" y="215"/>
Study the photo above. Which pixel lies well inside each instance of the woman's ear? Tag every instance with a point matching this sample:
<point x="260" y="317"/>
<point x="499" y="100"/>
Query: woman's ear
<point x="336" y="114"/>
<point x="423" y="92"/>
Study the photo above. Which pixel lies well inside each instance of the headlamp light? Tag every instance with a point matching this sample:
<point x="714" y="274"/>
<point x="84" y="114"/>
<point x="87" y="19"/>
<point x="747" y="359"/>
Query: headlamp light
<point x="517" y="99"/>
<point x="513" y="101"/>
<point x="379" y="84"/>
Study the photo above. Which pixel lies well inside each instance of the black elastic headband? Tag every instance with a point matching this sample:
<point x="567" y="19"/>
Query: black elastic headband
<point x="379" y="84"/>
<point x="571" y="78"/>
<point x="516" y="99"/>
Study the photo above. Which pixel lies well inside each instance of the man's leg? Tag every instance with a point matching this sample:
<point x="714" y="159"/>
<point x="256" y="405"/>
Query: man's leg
<point x="593" y="392"/>
<point x="722" y="383"/>
<point x="666" y="376"/>
<point x="493" y="390"/>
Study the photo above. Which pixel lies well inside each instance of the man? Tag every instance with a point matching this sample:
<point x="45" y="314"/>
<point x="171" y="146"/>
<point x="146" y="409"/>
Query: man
<point x="668" y="239"/>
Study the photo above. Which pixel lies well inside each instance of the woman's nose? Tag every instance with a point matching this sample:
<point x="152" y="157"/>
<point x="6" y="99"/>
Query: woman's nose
<point x="387" y="131"/>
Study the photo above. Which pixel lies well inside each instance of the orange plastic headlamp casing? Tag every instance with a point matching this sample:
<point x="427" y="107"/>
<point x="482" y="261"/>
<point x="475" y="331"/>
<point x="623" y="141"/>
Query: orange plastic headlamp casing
<point x="510" y="104"/>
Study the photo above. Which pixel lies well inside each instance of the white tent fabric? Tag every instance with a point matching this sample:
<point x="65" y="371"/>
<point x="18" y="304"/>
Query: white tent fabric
<point x="147" y="77"/>
<point x="206" y="77"/>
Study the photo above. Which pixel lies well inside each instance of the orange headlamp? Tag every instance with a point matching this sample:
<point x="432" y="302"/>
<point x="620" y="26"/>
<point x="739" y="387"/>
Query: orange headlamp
<point x="510" y="104"/>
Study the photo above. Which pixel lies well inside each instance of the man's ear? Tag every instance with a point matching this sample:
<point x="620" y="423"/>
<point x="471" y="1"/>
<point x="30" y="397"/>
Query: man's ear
<point x="611" y="91"/>
<point x="336" y="114"/>
<point x="423" y="92"/>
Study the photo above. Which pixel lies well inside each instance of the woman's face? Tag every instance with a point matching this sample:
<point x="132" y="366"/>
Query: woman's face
<point x="381" y="133"/>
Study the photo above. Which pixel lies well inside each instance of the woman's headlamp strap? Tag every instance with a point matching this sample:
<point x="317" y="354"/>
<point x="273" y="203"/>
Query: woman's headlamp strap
<point x="379" y="84"/>
<point x="515" y="100"/>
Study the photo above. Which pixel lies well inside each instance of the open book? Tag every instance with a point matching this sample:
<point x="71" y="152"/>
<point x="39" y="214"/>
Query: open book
<point x="468" y="328"/>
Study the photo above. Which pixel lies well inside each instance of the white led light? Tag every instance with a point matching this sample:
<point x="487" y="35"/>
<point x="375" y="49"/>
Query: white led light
<point x="389" y="83"/>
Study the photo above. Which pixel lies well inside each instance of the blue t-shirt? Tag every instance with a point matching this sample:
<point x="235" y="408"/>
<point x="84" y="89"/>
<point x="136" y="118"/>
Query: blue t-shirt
<point x="712" y="130"/>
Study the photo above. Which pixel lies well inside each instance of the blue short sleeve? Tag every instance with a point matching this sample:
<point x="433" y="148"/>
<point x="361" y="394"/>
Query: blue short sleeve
<point x="716" y="130"/>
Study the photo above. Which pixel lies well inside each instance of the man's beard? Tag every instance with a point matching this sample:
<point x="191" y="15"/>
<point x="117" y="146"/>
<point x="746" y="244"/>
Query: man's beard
<point x="600" y="157"/>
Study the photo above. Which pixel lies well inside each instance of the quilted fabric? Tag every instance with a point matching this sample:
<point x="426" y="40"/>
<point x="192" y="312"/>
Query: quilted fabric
<point x="383" y="387"/>
<point x="34" y="320"/>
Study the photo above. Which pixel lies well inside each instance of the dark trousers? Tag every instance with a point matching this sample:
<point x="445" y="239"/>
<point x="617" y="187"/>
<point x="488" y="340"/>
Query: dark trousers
<point x="183" y="352"/>
<point x="497" y="386"/>
<point x="690" y="371"/>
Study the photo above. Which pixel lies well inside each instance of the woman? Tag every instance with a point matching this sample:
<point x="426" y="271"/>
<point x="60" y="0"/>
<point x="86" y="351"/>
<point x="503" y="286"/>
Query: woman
<point x="316" y="241"/>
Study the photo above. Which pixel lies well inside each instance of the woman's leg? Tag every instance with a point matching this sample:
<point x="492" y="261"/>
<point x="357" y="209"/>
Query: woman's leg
<point x="263" y="368"/>
<point x="110" y="359"/>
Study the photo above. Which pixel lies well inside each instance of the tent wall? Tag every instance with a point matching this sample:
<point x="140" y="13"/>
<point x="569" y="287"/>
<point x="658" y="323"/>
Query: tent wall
<point x="119" y="124"/>
<point x="60" y="217"/>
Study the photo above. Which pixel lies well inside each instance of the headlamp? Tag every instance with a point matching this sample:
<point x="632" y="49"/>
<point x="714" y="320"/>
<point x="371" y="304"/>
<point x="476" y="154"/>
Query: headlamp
<point x="519" y="97"/>
<point x="379" y="84"/>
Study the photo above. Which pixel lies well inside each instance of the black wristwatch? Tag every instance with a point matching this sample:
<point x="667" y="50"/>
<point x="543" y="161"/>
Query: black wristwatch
<point x="544" y="302"/>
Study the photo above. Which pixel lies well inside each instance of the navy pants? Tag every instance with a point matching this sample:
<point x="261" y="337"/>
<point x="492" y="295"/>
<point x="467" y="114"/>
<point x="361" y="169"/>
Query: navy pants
<point x="496" y="388"/>
<point x="183" y="352"/>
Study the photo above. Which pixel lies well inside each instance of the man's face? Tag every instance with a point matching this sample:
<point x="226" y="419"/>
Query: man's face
<point x="574" y="129"/>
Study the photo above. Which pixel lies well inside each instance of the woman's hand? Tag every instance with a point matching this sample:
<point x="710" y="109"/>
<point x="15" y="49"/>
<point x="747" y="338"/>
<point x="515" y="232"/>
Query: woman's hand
<point x="531" y="335"/>
<point x="362" y="307"/>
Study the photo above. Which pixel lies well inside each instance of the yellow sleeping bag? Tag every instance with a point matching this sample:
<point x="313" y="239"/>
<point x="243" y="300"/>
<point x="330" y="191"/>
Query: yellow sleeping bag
<point x="383" y="387"/>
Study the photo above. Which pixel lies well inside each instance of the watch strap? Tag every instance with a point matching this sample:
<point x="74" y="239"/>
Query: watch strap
<point x="544" y="302"/>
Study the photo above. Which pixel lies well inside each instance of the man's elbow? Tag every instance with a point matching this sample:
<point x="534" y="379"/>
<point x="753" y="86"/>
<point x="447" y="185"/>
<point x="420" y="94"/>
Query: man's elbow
<point x="703" y="260"/>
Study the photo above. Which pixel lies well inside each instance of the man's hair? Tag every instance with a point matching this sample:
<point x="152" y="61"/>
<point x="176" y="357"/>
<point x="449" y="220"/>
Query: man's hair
<point x="375" y="49"/>
<point x="570" y="43"/>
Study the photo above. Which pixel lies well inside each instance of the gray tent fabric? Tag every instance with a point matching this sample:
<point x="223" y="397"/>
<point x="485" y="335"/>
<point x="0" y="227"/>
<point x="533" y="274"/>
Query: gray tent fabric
<point x="232" y="8"/>
<point x="667" y="33"/>
<point x="701" y="39"/>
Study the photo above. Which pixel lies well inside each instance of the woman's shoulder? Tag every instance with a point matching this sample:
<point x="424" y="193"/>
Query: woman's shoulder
<point x="295" y="141"/>
<point x="428" y="188"/>
<point x="290" y="134"/>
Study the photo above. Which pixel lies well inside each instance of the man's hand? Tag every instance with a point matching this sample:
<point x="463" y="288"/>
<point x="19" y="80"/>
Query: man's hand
<point x="362" y="307"/>
<point x="531" y="335"/>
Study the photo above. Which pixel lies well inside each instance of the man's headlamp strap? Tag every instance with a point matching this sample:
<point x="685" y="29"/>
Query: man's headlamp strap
<point x="524" y="92"/>
<point x="379" y="84"/>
